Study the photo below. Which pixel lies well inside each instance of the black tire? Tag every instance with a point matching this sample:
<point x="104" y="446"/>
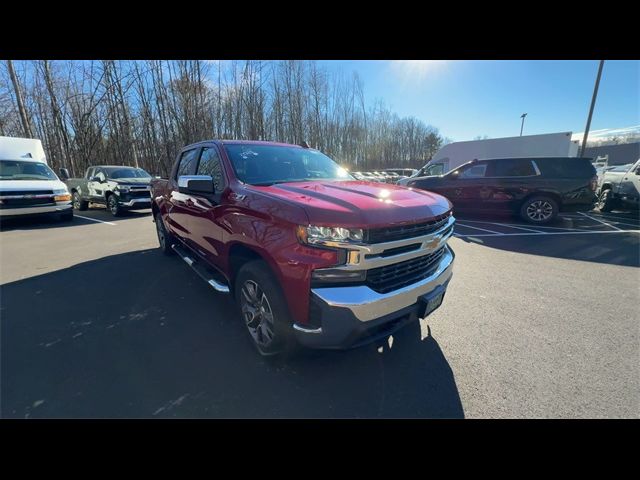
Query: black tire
<point x="539" y="209"/>
<point x="67" y="216"/>
<point x="606" y="202"/>
<point x="78" y="203"/>
<point x="282" y="342"/>
<point x="165" y="239"/>
<point x="113" y="206"/>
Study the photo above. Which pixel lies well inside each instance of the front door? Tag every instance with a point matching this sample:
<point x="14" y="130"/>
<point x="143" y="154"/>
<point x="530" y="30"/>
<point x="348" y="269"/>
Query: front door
<point x="206" y="211"/>
<point x="469" y="189"/>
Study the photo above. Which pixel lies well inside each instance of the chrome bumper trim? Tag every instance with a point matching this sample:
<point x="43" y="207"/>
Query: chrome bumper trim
<point x="367" y="304"/>
<point x="306" y="330"/>
<point x="133" y="201"/>
<point x="59" y="207"/>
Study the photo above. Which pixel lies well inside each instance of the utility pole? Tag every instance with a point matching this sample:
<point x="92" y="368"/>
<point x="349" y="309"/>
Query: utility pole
<point x="522" y="126"/>
<point x="593" y="104"/>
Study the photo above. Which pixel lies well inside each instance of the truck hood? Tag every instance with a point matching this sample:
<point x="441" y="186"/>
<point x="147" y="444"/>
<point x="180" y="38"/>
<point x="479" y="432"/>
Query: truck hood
<point x="130" y="181"/>
<point x="358" y="204"/>
<point x="18" y="185"/>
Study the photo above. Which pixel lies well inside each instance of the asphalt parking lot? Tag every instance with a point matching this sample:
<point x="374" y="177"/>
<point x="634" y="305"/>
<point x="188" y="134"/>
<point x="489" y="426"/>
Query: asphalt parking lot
<point x="538" y="322"/>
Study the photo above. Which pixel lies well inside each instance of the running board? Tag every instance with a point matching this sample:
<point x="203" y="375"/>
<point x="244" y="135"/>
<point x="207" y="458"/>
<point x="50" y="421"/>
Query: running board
<point x="203" y="272"/>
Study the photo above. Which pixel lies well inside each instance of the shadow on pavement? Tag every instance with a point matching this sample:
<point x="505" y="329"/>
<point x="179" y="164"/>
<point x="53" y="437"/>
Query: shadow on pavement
<point x="52" y="221"/>
<point x="139" y="335"/>
<point x="610" y="248"/>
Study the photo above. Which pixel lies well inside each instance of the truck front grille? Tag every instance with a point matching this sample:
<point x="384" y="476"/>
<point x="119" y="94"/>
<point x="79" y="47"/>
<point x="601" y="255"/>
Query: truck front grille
<point x="392" y="277"/>
<point x="390" y="234"/>
<point x="26" y="198"/>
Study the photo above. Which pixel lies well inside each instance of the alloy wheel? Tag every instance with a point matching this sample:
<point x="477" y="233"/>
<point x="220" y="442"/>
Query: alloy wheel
<point x="539" y="210"/>
<point x="257" y="313"/>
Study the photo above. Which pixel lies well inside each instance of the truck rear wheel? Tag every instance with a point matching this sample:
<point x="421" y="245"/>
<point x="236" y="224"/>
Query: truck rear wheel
<point x="78" y="203"/>
<point x="606" y="202"/>
<point x="264" y="310"/>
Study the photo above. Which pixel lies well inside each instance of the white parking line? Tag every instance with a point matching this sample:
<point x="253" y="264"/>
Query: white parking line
<point x="94" y="220"/>
<point x="599" y="221"/>
<point x="590" y="232"/>
<point x="501" y="225"/>
<point x="476" y="228"/>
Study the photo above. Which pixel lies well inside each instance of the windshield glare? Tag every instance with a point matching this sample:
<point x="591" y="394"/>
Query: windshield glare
<point x="128" y="173"/>
<point x="19" y="170"/>
<point x="269" y="164"/>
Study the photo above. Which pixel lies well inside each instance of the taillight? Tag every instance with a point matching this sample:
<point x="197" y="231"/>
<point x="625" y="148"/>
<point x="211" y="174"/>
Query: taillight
<point x="594" y="183"/>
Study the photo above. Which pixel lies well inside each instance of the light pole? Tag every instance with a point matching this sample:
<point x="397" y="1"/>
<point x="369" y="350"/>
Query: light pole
<point x="522" y="126"/>
<point x="593" y="104"/>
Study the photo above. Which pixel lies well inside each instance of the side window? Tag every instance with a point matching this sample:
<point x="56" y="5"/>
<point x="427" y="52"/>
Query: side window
<point x="99" y="173"/>
<point x="516" y="167"/>
<point x="90" y="172"/>
<point x="210" y="165"/>
<point x="474" y="171"/>
<point x="187" y="163"/>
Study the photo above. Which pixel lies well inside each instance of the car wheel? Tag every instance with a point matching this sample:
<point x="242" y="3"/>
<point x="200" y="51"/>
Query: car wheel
<point x="78" y="203"/>
<point x="165" y="239"/>
<point x="539" y="209"/>
<point x="113" y="206"/>
<point x="606" y="201"/>
<point x="264" y="311"/>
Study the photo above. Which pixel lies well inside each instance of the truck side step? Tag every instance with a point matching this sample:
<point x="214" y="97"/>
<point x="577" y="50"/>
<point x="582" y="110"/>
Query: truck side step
<point x="218" y="283"/>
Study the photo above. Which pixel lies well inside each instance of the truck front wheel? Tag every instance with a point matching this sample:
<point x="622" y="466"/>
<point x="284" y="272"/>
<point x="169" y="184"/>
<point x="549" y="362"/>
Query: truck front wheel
<point x="114" y="206"/>
<point x="606" y="202"/>
<point x="78" y="203"/>
<point x="264" y="310"/>
<point x="165" y="239"/>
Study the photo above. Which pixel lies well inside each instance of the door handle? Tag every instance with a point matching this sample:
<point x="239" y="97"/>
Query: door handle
<point x="235" y="196"/>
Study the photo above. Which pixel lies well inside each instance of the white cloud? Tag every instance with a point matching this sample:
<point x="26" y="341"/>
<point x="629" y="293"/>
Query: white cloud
<point x="606" y="134"/>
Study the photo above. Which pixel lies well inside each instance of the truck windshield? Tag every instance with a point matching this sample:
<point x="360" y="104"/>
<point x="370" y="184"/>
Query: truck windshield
<point x="127" y="173"/>
<point x="19" y="170"/>
<point x="269" y="164"/>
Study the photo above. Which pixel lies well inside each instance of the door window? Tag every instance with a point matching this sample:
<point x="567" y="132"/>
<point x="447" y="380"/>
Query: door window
<point x="187" y="163"/>
<point x="514" y="167"/>
<point x="210" y="165"/>
<point x="474" y="171"/>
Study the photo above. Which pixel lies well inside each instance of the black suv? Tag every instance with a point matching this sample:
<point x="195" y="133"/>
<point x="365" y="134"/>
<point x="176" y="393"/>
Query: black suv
<point x="536" y="188"/>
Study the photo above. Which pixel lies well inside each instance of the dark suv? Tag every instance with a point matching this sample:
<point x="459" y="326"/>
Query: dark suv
<point x="535" y="188"/>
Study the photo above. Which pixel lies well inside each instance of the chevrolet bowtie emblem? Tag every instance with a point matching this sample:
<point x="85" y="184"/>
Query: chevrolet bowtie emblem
<point x="431" y="244"/>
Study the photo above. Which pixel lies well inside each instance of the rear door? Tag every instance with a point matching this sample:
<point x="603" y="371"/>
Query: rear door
<point x="178" y="209"/>
<point x="512" y="180"/>
<point x="469" y="188"/>
<point x="206" y="210"/>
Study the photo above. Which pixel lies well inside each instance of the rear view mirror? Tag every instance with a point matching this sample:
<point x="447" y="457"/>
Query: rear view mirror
<point x="202" y="184"/>
<point x="95" y="179"/>
<point x="64" y="174"/>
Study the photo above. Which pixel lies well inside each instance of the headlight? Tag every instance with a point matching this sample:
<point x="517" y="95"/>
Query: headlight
<point x="123" y="188"/>
<point x="61" y="195"/>
<point x="314" y="234"/>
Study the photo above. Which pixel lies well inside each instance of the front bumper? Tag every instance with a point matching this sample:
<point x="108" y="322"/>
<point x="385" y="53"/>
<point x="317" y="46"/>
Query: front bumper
<point x="136" y="203"/>
<point x="355" y="315"/>
<point x="59" y="207"/>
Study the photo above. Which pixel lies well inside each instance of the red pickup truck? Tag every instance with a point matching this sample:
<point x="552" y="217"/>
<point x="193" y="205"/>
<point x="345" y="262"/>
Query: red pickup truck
<point x="311" y="255"/>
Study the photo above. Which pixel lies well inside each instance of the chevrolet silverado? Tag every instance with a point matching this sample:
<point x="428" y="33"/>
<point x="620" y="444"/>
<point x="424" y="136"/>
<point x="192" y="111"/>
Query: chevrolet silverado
<point x="310" y="255"/>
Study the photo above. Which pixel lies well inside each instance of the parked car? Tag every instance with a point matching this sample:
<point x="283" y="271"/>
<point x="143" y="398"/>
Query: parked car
<point x="323" y="261"/>
<point x="620" y="187"/>
<point x="402" y="172"/>
<point x="117" y="187"/>
<point x="28" y="187"/>
<point x="359" y="176"/>
<point x="535" y="188"/>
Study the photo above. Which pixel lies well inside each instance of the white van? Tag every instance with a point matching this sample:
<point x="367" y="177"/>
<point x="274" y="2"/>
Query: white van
<point x="454" y="154"/>
<point x="27" y="185"/>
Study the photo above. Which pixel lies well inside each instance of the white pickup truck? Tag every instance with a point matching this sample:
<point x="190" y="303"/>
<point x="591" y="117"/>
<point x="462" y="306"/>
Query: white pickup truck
<point x="620" y="188"/>
<point x="28" y="186"/>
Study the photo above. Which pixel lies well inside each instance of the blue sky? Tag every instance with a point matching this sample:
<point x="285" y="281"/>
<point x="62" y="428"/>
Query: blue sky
<point x="465" y="99"/>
